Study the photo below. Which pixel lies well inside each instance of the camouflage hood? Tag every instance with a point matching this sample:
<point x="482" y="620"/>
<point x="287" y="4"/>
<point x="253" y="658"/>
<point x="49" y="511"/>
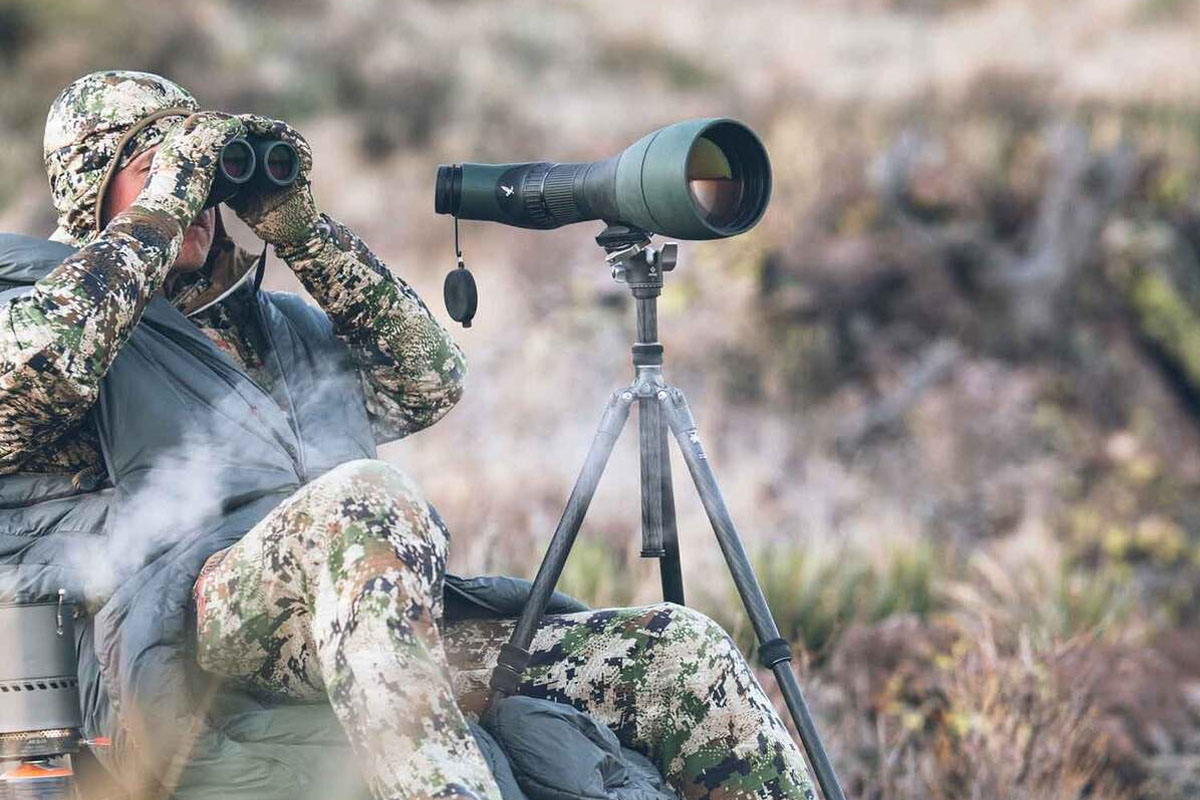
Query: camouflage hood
<point x="87" y="123"/>
<point x="99" y="124"/>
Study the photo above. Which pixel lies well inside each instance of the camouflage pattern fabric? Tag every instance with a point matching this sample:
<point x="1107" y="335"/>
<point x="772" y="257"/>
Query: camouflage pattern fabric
<point x="182" y="171"/>
<point x="338" y="592"/>
<point x="57" y="342"/>
<point x="666" y="679"/>
<point x="84" y="126"/>
<point x="413" y="370"/>
<point x="223" y="329"/>
<point x="289" y="215"/>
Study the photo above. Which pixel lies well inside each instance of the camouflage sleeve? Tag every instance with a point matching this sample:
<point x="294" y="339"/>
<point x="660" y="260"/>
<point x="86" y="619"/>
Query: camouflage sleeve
<point x="412" y="371"/>
<point x="57" y="342"/>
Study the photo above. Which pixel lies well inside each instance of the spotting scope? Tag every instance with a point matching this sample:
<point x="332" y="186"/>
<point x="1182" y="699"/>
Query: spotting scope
<point x="698" y="179"/>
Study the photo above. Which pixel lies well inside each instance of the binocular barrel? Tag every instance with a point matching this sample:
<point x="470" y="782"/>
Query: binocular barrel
<point x="255" y="163"/>
<point x="699" y="179"/>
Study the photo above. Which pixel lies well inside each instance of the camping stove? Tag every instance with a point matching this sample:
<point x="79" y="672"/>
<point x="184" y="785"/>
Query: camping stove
<point x="40" y="719"/>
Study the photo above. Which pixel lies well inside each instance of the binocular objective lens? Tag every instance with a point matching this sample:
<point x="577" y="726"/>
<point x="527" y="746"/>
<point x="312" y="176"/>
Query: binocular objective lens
<point x="237" y="161"/>
<point x="715" y="189"/>
<point x="281" y="163"/>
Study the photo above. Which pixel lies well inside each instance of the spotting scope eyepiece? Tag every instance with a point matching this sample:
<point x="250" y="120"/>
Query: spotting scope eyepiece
<point x="253" y="163"/>
<point x="699" y="179"/>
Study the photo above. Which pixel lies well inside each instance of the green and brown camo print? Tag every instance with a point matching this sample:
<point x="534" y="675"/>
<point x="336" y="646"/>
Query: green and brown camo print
<point x="57" y="342"/>
<point x="338" y="593"/>
<point x="83" y="128"/>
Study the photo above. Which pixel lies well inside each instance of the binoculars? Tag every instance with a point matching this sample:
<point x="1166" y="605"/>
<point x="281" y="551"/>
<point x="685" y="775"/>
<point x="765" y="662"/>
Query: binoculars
<point x="253" y="163"/>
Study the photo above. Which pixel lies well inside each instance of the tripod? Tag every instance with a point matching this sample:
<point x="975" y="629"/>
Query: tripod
<point x="660" y="406"/>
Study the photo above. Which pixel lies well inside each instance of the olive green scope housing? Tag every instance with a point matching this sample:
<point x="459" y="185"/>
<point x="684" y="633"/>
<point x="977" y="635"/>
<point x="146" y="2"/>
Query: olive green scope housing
<point x="698" y="179"/>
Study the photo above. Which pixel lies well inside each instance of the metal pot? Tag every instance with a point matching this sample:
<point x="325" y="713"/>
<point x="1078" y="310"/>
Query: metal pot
<point x="39" y="687"/>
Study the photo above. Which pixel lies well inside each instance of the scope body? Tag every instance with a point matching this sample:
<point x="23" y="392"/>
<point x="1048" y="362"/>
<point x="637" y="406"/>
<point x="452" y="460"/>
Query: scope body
<point x="699" y="179"/>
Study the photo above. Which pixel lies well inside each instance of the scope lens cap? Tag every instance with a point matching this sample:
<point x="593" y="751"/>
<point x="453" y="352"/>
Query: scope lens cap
<point x="461" y="295"/>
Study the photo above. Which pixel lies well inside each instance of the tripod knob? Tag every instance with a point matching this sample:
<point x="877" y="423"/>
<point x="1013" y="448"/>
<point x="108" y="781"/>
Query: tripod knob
<point x="668" y="257"/>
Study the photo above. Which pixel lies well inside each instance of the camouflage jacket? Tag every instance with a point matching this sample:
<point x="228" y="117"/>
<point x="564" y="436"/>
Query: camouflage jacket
<point x="57" y="342"/>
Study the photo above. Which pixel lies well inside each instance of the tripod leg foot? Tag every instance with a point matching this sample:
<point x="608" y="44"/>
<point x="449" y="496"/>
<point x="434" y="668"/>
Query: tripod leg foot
<point x="510" y="665"/>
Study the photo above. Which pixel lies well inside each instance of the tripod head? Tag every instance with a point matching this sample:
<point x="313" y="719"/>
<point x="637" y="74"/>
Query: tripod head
<point x="634" y="261"/>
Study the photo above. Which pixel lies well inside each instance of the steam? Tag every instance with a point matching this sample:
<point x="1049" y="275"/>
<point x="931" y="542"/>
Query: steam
<point x="180" y="497"/>
<point x="186" y="491"/>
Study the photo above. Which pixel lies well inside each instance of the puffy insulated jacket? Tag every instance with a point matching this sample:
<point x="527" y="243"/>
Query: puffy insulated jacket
<point x="245" y="453"/>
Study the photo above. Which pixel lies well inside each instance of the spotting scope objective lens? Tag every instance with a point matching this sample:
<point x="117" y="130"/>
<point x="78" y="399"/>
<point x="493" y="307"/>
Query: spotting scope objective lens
<point x="699" y="179"/>
<point x="714" y="186"/>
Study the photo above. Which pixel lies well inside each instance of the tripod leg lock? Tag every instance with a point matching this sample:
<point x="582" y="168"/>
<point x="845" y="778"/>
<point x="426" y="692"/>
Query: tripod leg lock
<point x="774" y="651"/>
<point x="509" y="667"/>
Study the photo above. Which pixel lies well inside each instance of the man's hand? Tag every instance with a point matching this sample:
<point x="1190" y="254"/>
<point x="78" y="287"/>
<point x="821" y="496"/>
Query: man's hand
<point x="181" y="174"/>
<point x="285" y="216"/>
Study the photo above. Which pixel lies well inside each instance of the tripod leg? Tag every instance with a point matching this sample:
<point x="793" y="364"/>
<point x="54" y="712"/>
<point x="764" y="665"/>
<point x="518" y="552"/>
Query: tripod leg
<point x="515" y="655"/>
<point x="669" y="567"/>
<point x="773" y="651"/>
<point x="660" y="538"/>
<point x="650" y="455"/>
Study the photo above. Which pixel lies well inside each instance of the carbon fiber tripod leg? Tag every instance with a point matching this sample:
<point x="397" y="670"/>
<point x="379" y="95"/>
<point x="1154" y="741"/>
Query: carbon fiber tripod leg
<point x="670" y="567"/>
<point x="773" y="651"/>
<point x="515" y="654"/>
<point x="660" y="539"/>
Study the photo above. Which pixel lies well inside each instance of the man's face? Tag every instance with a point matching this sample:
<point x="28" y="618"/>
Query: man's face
<point x="124" y="188"/>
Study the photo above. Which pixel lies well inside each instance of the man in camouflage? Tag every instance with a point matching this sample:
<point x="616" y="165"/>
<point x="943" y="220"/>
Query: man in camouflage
<point x="337" y="593"/>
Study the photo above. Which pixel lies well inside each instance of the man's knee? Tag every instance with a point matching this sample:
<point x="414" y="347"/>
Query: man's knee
<point x="690" y="652"/>
<point x="366" y="475"/>
<point x="376" y="498"/>
<point x="681" y="623"/>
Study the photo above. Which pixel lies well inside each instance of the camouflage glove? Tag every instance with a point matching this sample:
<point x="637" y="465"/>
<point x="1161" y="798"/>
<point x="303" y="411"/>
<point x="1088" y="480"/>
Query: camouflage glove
<point x="285" y="216"/>
<point x="181" y="174"/>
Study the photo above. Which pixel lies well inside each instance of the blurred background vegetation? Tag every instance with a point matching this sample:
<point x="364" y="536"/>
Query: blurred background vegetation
<point x="951" y="384"/>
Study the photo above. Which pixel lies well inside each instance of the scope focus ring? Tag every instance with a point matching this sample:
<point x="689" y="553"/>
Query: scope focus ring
<point x="558" y="190"/>
<point x="537" y="214"/>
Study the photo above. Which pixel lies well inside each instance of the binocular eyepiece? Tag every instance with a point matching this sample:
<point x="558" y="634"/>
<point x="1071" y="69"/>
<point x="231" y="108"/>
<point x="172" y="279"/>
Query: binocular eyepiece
<point x="255" y="163"/>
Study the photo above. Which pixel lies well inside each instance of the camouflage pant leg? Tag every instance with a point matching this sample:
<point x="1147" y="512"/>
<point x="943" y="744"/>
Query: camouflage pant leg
<point x="338" y="592"/>
<point x="668" y="681"/>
